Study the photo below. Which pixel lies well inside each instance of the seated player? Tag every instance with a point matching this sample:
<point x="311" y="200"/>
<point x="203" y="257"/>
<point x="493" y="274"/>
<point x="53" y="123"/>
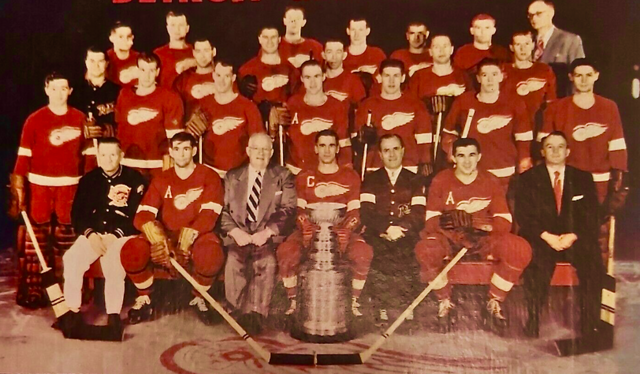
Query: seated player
<point x="483" y="27"/>
<point x="466" y="207"/>
<point x="105" y="203"/>
<point x="176" y="217"/>
<point x="310" y="114"/>
<point x="393" y="203"/>
<point x="228" y="120"/>
<point x="123" y="59"/>
<point x="497" y="120"/>
<point x="194" y="84"/>
<point x="177" y="56"/>
<point x="147" y="116"/>
<point x="398" y="113"/>
<point x="328" y="183"/>
<point x="293" y="47"/>
<point x="416" y="57"/>
<point x="259" y="213"/>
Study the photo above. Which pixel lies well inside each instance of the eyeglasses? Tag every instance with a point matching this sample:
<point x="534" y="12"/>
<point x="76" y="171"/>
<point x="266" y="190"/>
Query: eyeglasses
<point x="265" y="150"/>
<point x="536" y="14"/>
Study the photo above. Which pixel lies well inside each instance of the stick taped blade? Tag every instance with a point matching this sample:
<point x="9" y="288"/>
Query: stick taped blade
<point x="339" y="359"/>
<point x="291" y="359"/>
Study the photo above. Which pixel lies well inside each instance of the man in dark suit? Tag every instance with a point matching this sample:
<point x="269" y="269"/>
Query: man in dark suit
<point x="259" y="208"/>
<point x="555" y="47"/>
<point x="556" y="208"/>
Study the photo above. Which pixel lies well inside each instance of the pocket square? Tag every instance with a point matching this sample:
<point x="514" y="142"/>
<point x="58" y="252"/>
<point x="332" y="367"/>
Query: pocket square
<point x="278" y="193"/>
<point x="577" y="197"/>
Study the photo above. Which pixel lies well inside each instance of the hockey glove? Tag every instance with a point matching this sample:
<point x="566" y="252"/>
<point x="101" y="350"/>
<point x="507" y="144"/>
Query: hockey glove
<point x="248" y="86"/>
<point x="197" y="123"/>
<point x="454" y="219"/>
<point x="17" y="193"/>
<point x="186" y="239"/>
<point x="160" y="251"/>
<point x="307" y="228"/>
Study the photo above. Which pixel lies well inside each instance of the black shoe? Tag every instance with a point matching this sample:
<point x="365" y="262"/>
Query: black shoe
<point x="493" y="318"/>
<point x="252" y="323"/>
<point x="116" y="329"/>
<point x="207" y="316"/>
<point x="70" y="322"/>
<point x="143" y="310"/>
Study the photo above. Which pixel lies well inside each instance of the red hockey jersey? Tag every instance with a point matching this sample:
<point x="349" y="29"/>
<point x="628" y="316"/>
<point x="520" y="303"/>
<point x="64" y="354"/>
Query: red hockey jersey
<point x="366" y="62"/>
<point x="346" y="86"/>
<point x="406" y="117"/>
<point x="145" y="123"/>
<point x="298" y="53"/>
<point x="468" y="56"/>
<point x="193" y="87"/>
<point x="225" y="142"/>
<point x="171" y="60"/>
<point x="306" y="122"/>
<point x="123" y="72"/>
<point x="426" y="84"/>
<point x="195" y="202"/>
<point x="50" y="152"/>
<point x="276" y="83"/>
<point x="341" y="187"/>
<point x="595" y="135"/>
<point x="413" y="62"/>
<point x="483" y="198"/>
<point x="503" y="130"/>
<point x="534" y="85"/>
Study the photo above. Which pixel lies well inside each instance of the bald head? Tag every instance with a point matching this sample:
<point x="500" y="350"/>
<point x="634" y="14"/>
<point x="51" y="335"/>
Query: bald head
<point x="259" y="150"/>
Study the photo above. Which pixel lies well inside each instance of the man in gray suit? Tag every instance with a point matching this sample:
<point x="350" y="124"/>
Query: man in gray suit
<point x="259" y="211"/>
<point x="555" y="47"/>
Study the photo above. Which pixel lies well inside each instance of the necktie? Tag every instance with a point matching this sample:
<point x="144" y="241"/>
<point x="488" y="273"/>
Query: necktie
<point x="539" y="49"/>
<point x="254" y="199"/>
<point x="557" y="190"/>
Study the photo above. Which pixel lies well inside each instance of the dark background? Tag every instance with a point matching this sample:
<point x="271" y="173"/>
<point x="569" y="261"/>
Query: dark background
<point x="40" y="36"/>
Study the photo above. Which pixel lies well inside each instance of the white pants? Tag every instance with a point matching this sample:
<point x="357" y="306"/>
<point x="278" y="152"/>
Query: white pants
<point x="77" y="261"/>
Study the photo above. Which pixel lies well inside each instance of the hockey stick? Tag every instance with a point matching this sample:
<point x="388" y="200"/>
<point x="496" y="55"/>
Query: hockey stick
<point x="467" y="124"/>
<point x="60" y="309"/>
<point x="281" y="144"/>
<point x="365" y="151"/>
<point x="436" y="136"/>
<point x="603" y="340"/>
<point x="200" y="150"/>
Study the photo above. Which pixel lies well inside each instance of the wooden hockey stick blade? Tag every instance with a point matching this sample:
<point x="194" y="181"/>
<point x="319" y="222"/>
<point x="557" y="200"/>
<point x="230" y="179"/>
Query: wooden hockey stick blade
<point x="263" y="353"/>
<point x="365" y="355"/>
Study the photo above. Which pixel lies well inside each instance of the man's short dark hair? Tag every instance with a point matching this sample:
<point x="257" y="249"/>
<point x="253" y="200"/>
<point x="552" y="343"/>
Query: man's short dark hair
<point x="327" y="132"/>
<point x="182" y="137"/>
<point x="417" y="24"/>
<point x="555" y="133"/>
<point x="482" y="17"/>
<point x="225" y="63"/>
<point x="269" y="27"/>
<point x="287" y="9"/>
<point x="175" y="13"/>
<point x="333" y="41"/>
<point x="522" y="33"/>
<point x="311" y="63"/>
<point x="488" y="62"/>
<point x="465" y="142"/>
<point x="55" y="75"/>
<point x="547" y="2"/>
<point x="109" y="140"/>
<point x="120" y="24"/>
<point x="392" y="63"/>
<point x="358" y="19"/>
<point x="201" y="39"/>
<point x="389" y="136"/>
<point x="148" y="58"/>
<point x="582" y="62"/>
<point x="96" y="49"/>
<point x="440" y="35"/>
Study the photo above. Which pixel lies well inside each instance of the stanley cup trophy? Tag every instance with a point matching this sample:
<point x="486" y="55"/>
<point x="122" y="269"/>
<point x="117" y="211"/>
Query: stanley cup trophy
<point x="322" y="315"/>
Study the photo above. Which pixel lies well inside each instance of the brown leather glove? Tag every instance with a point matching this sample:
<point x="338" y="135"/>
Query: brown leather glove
<point x="344" y="236"/>
<point x="618" y="191"/>
<point x="186" y="239"/>
<point x="160" y="246"/>
<point x="198" y="123"/>
<point x="91" y="129"/>
<point x="108" y="130"/>
<point x="425" y="169"/>
<point x="307" y="228"/>
<point x="278" y="116"/>
<point x="440" y="103"/>
<point x="455" y="219"/>
<point x="17" y="192"/>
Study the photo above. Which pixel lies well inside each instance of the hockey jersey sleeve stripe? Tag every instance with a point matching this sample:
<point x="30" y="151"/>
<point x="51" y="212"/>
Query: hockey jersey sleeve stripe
<point x="504" y="172"/>
<point x="601" y="177"/>
<point x="431" y="214"/>
<point x="542" y="135"/>
<point x="524" y="136"/>
<point x="147" y="208"/>
<point x="142" y="164"/>
<point x="42" y="180"/>
<point x="353" y="205"/>
<point x="294" y="170"/>
<point x="24" y="152"/>
<point x="345" y="143"/>
<point x="412" y="169"/>
<point x="211" y="206"/>
<point x="617" y="145"/>
<point x="354" y="134"/>
<point x="506" y="216"/>
<point x="302" y="203"/>
<point x="501" y="283"/>
<point x="419" y="200"/>
<point x="424" y="138"/>
<point x="90" y="151"/>
<point x="171" y="133"/>
<point x="452" y="132"/>
<point x="368" y="197"/>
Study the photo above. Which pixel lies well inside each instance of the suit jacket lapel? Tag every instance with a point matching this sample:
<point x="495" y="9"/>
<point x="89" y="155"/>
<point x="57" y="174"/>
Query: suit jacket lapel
<point x="267" y="193"/>
<point x="567" y="196"/>
<point x="240" y="200"/>
<point x="546" y="188"/>
<point x="550" y="48"/>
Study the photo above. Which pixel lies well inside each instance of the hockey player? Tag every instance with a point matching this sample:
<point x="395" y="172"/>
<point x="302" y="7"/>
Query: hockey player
<point x="594" y="130"/>
<point x="196" y="83"/>
<point x="50" y="159"/>
<point x="229" y="120"/>
<point x="147" y="116"/>
<point x="340" y="84"/>
<point x="466" y="207"/>
<point x="177" y="56"/>
<point x="362" y="59"/>
<point x="294" y="48"/>
<point x="103" y="211"/>
<point x="397" y="113"/>
<point x="534" y="82"/>
<point x="268" y="79"/>
<point x="176" y="217"/>
<point x="497" y="120"/>
<point x="393" y="206"/>
<point x="330" y="183"/>
<point x="312" y="113"/>
<point x="483" y="27"/>
<point x="417" y="56"/>
<point x="123" y="60"/>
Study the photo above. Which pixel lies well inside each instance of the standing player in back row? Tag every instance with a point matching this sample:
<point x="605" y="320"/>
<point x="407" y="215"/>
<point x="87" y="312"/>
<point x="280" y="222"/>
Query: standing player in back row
<point x="123" y="59"/>
<point x="293" y="47"/>
<point x="177" y="56"/>
<point x="417" y="56"/>
<point x="196" y="83"/>
<point x="362" y="58"/>
<point x="483" y="27"/>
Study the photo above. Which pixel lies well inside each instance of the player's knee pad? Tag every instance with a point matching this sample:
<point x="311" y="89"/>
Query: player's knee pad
<point x="514" y="250"/>
<point x="207" y="255"/>
<point x="135" y="255"/>
<point x="361" y="252"/>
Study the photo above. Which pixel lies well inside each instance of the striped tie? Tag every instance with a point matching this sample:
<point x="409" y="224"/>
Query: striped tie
<point x="254" y="199"/>
<point x="539" y="50"/>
